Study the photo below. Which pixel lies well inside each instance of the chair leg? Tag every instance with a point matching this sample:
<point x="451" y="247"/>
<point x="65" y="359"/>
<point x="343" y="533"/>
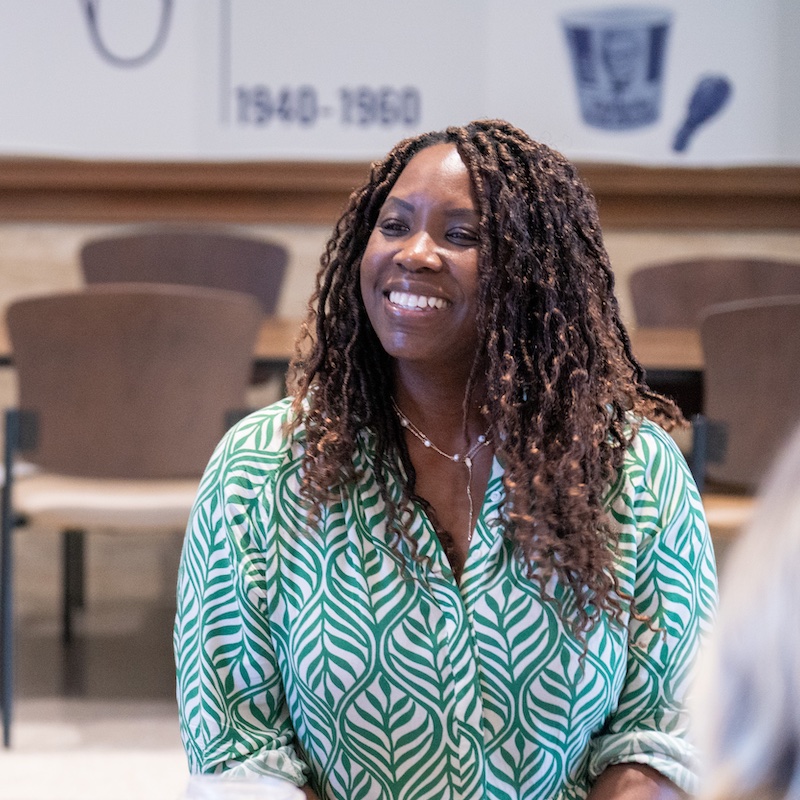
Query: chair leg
<point x="6" y="632"/>
<point x="6" y="576"/>
<point x="72" y="547"/>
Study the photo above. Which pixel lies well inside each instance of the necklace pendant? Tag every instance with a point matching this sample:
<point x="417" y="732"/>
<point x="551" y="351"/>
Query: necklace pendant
<point x="468" y="462"/>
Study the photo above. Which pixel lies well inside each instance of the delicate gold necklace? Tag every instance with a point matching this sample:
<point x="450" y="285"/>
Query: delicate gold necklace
<point x="456" y="458"/>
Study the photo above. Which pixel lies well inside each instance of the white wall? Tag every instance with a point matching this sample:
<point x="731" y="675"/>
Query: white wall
<point x="234" y="79"/>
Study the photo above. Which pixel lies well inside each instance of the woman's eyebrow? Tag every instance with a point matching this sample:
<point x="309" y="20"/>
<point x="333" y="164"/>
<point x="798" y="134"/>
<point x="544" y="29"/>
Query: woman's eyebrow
<point x="405" y="204"/>
<point x="397" y="201"/>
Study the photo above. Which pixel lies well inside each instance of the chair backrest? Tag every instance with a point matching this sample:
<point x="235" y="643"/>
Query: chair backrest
<point x="195" y="257"/>
<point x="674" y="294"/>
<point x="131" y="380"/>
<point x="751" y="350"/>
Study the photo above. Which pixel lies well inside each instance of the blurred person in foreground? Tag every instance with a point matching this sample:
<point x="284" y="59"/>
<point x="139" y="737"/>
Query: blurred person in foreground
<point x="464" y="560"/>
<point x="747" y="705"/>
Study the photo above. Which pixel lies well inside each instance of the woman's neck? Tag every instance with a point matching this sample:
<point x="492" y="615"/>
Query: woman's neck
<point x="436" y="406"/>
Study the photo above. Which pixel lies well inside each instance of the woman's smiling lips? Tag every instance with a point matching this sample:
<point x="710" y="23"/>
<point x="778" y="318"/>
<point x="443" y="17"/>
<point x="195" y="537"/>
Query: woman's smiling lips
<point x="407" y="300"/>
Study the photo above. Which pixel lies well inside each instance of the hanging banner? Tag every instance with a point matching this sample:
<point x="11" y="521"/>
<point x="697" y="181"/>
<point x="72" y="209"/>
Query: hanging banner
<point x="677" y="82"/>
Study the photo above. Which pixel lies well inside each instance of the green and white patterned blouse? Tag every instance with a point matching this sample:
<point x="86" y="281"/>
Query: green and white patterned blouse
<point x="314" y="654"/>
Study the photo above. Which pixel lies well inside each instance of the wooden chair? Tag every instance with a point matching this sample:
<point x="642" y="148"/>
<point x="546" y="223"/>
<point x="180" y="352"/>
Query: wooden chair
<point x="752" y="402"/>
<point x="189" y="256"/>
<point x="675" y="294"/>
<point x="217" y="258"/>
<point x="124" y="391"/>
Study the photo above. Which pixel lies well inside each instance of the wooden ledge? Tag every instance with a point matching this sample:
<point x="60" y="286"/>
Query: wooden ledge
<point x="67" y="190"/>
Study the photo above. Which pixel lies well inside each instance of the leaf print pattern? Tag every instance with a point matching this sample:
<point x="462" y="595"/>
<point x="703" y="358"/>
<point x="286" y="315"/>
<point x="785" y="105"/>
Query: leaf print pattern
<point x="314" y="654"/>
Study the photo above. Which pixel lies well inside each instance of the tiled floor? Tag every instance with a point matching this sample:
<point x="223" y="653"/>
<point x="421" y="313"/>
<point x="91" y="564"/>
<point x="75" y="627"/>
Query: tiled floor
<point x="96" y="719"/>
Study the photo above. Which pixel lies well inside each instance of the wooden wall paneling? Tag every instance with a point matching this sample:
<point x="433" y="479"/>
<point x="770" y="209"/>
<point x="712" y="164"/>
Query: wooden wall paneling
<point x="63" y="190"/>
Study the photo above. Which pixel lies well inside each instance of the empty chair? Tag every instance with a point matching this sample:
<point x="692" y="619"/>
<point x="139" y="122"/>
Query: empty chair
<point x="675" y="294"/>
<point x="211" y="257"/>
<point x="752" y="401"/>
<point x="124" y="391"/>
<point x="191" y="256"/>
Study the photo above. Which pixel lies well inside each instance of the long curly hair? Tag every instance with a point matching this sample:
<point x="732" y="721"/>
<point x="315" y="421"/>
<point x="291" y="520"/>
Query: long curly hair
<point x="560" y="386"/>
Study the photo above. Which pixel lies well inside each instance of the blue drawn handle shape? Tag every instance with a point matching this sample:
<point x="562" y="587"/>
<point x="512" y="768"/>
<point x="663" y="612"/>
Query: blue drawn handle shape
<point x="92" y="10"/>
<point x="708" y="98"/>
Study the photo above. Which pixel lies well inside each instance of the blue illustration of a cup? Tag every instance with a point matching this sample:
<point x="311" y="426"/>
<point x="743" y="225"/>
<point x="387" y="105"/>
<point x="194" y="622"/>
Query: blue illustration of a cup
<point x="618" y="57"/>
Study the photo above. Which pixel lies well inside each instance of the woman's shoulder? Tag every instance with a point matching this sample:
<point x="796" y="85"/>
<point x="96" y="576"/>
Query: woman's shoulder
<point x="262" y="441"/>
<point x="656" y="495"/>
<point x="653" y="464"/>
<point x="652" y="445"/>
<point x="271" y="419"/>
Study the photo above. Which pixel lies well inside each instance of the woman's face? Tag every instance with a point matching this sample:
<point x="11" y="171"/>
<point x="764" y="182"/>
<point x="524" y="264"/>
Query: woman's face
<point x="419" y="273"/>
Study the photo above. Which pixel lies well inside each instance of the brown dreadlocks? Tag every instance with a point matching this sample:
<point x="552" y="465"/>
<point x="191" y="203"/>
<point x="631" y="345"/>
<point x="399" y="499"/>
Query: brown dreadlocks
<point x="562" y="388"/>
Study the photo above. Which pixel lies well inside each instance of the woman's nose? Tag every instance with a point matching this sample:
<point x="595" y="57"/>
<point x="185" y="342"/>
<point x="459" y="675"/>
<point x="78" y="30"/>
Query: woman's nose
<point x="419" y="251"/>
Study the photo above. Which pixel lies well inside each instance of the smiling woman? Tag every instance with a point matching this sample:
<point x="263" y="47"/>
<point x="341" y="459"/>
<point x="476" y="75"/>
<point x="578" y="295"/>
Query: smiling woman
<point x="419" y="272"/>
<point x="464" y="560"/>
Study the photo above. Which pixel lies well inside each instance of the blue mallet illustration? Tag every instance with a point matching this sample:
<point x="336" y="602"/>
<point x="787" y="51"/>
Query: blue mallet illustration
<point x="708" y="98"/>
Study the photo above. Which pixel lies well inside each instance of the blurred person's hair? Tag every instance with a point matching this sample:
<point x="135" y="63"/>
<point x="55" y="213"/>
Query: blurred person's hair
<point x="747" y="706"/>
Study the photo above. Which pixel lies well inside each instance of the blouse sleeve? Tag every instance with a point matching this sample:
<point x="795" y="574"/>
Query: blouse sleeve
<point x="232" y="707"/>
<point x="674" y="587"/>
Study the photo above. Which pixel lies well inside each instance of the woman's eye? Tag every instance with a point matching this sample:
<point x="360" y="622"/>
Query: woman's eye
<point x="463" y="236"/>
<point x="392" y="227"/>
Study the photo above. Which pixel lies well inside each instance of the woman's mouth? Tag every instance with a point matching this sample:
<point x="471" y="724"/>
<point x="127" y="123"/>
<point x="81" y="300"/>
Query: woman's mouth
<point x="416" y="301"/>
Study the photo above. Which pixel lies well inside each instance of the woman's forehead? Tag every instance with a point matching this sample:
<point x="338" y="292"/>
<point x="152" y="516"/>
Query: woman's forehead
<point x="438" y="169"/>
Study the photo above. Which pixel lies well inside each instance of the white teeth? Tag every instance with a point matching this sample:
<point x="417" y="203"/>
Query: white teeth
<point x="415" y="300"/>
